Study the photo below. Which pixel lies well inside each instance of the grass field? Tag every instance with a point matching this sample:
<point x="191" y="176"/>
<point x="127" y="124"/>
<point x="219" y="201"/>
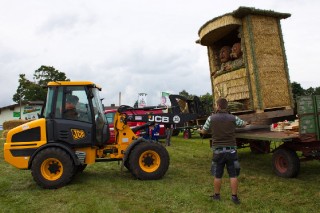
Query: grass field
<point x="186" y="187"/>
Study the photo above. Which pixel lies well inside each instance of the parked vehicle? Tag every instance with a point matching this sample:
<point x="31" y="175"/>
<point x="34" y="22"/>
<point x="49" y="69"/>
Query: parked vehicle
<point x="288" y="147"/>
<point x="72" y="132"/>
<point x="110" y="113"/>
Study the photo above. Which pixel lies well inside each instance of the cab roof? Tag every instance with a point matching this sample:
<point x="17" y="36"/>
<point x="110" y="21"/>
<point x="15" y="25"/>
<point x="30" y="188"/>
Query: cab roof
<point x="73" y="83"/>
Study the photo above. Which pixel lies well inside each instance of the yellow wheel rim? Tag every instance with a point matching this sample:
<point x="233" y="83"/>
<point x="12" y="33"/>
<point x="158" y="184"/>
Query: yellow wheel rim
<point x="149" y="161"/>
<point x="51" y="169"/>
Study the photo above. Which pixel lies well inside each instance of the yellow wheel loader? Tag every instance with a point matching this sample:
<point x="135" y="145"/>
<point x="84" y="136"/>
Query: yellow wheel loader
<point x="72" y="132"/>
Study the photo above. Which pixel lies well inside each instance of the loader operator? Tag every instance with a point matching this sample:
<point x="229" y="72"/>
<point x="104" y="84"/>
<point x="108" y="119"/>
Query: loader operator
<point x="222" y="125"/>
<point x="70" y="108"/>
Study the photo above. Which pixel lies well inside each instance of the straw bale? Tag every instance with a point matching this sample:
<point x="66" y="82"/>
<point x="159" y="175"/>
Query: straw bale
<point x="264" y="25"/>
<point x="272" y="62"/>
<point x="245" y="11"/>
<point x="5" y="133"/>
<point x="269" y="49"/>
<point x="213" y="54"/>
<point x="232" y="85"/>
<point x="218" y="23"/>
<point x="7" y="125"/>
<point x="235" y="106"/>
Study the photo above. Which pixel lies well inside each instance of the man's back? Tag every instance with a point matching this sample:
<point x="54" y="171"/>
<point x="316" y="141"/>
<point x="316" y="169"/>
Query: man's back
<point x="223" y="129"/>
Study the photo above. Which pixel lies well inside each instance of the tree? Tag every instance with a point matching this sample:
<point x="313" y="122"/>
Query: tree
<point x="34" y="90"/>
<point x="135" y="104"/>
<point x="186" y="94"/>
<point x="317" y="91"/>
<point x="297" y="90"/>
<point x="207" y="103"/>
<point x="45" y="74"/>
<point x="309" y="91"/>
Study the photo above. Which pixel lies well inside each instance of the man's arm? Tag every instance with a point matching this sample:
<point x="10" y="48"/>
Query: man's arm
<point x="206" y="127"/>
<point x="240" y="123"/>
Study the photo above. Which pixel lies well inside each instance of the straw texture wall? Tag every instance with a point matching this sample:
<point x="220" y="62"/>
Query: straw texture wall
<point x="232" y="85"/>
<point x="264" y="82"/>
<point x="266" y="62"/>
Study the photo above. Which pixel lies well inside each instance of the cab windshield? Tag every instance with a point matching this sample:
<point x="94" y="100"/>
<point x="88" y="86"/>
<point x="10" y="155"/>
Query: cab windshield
<point x="97" y="105"/>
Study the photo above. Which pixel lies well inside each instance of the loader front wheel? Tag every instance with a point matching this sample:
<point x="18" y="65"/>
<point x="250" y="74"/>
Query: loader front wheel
<point x="52" y="168"/>
<point x="149" y="161"/>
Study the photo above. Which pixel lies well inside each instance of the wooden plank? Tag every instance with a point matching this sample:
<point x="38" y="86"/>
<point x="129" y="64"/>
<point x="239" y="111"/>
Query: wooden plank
<point x="267" y="135"/>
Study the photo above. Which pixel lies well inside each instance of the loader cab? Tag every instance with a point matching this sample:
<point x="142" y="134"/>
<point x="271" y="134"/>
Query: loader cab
<point x="74" y="114"/>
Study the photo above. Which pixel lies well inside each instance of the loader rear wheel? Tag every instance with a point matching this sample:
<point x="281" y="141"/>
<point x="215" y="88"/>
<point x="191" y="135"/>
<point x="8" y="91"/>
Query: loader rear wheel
<point x="52" y="168"/>
<point x="149" y="161"/>
<point x="285" y="163"/>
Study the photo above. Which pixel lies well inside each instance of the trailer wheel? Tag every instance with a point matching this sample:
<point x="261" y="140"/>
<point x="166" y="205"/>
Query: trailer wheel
<point x="187" y="134"/>
<point x="52" y="168"/>
<point x="149" y="161"/>
<point x="175" y="132"/>
<point x="286" y="163"/>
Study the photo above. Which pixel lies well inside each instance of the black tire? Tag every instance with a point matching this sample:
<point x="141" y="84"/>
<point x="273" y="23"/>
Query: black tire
<point x="127" y="165"/>
<point x="175" y="132"/>
<point x="52" y="168"/>
<point x="285" y="163"/>
<point x="149" y="161"/>
<point x="260" y="147"/>
<point x="81" y="168"/>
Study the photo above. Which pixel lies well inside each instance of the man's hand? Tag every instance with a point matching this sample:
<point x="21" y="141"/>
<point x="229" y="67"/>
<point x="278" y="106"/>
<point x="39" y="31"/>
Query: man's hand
<point x="202" y="131"/>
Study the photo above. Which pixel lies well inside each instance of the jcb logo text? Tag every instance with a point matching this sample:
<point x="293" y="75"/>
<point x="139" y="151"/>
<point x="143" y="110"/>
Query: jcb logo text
<point x="159" y="119"/>
<point x="78" y="134"/>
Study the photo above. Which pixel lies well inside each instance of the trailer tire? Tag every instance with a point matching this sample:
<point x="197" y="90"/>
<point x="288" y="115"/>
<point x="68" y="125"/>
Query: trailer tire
<point x="52" y="168"/>
<point x="187" y="134"/>
<point x="149" y="161"/>
<point x="285" y="163"/>
<point x="175" y="132"/>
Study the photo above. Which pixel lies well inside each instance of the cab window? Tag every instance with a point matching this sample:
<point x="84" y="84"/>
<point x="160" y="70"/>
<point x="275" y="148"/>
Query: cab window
<point x="110" y="117"/>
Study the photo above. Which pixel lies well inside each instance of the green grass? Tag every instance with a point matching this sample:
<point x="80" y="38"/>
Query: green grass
<point x="186" y="187"/>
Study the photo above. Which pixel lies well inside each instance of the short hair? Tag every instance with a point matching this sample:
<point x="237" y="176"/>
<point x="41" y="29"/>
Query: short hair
<point x="72" y="99"/>
<point x="222" y="103"/>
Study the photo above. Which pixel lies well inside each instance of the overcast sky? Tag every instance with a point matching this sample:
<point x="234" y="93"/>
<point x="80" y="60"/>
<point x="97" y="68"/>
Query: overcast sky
<point x="134" y="46"/>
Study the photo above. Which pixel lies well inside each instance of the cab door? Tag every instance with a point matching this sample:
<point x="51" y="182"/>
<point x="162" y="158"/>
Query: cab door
<point x="71" y="118"/>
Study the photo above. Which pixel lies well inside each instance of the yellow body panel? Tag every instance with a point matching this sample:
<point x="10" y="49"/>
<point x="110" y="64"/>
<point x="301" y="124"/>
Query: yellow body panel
<point x="90" y="154"/>
<point x="10" y="147"/>
<point x="124" y="135"/>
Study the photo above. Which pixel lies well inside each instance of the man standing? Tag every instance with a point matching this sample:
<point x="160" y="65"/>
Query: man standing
<point x="168" y="134"/>
<point x="223" y="125"/>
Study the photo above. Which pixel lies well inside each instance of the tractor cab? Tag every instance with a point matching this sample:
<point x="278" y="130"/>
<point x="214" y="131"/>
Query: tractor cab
<point x="74" y="114"/>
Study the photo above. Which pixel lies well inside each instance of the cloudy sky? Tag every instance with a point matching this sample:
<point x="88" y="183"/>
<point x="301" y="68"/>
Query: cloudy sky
<point x="134" y="46"/>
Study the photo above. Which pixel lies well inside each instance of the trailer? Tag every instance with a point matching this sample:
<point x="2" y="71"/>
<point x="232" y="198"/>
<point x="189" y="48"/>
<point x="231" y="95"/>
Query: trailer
<point x="289" y="148"/>
<point x="182" y="104"/>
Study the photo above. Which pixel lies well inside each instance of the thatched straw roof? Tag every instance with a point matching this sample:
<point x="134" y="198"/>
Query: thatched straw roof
<point x="216" y="28"/>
